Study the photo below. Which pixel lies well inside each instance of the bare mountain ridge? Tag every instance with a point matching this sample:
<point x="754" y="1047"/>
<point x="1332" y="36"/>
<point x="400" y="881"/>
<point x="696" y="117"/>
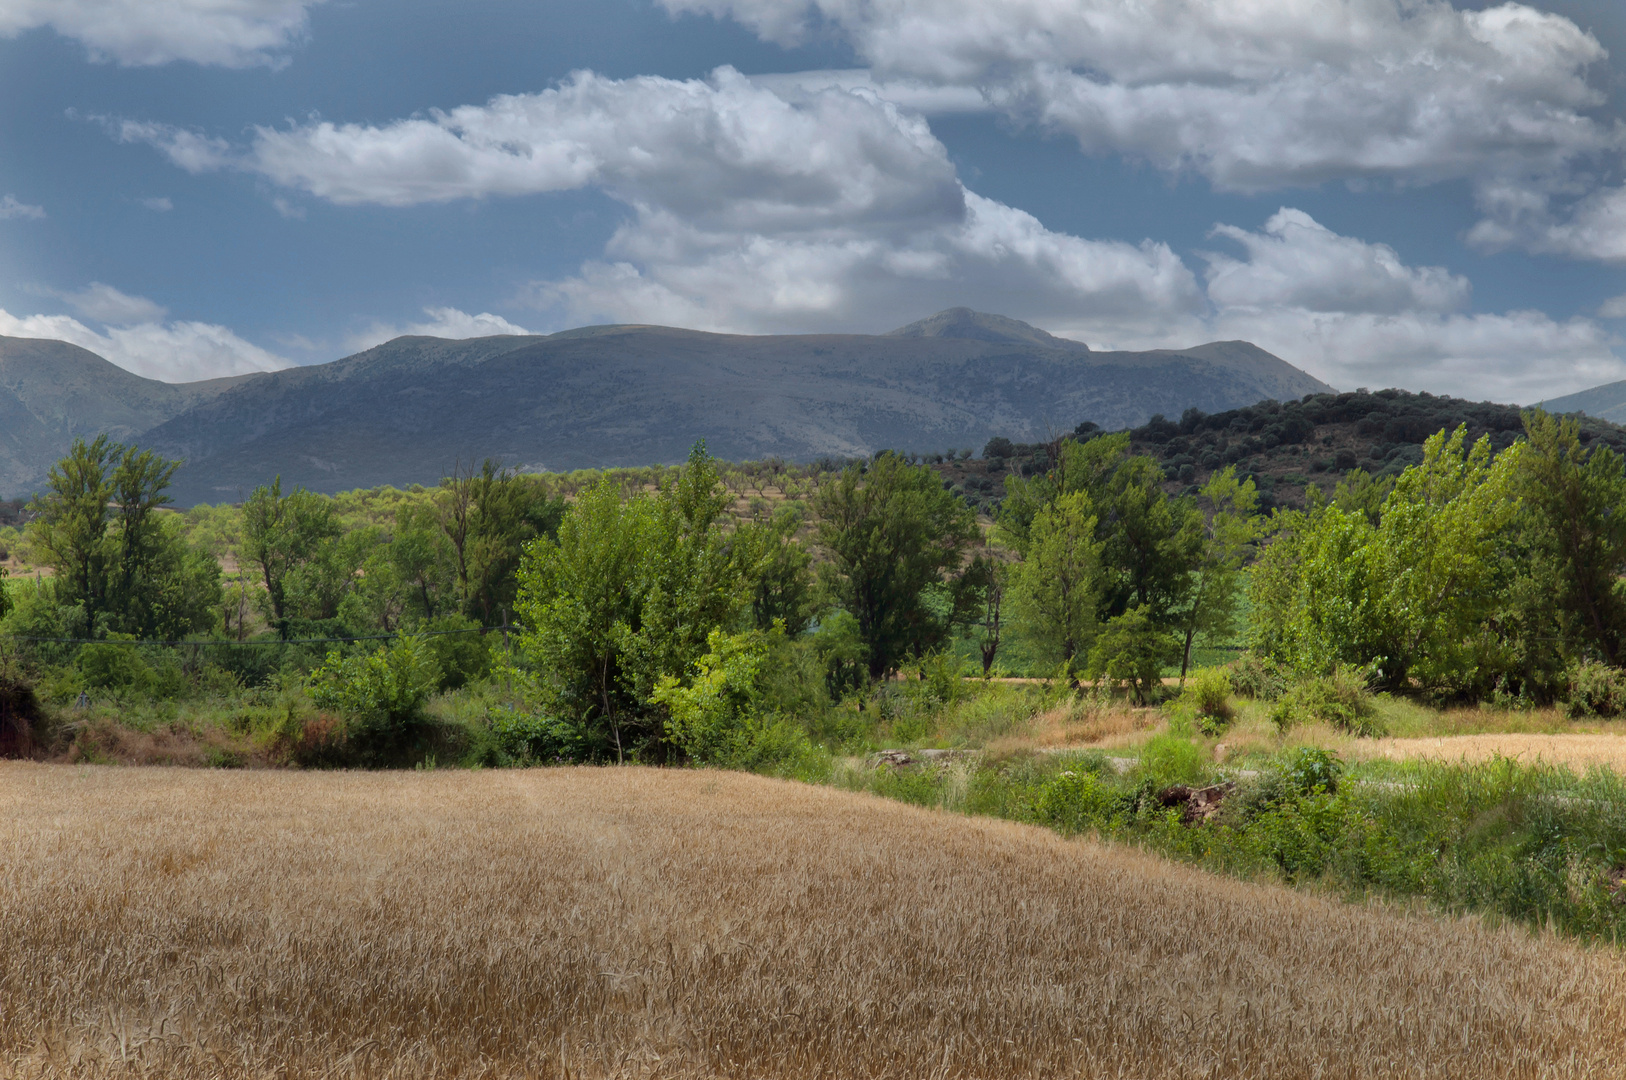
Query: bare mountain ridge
<point x="51" y="391"/>
<point x="404" y="411"/>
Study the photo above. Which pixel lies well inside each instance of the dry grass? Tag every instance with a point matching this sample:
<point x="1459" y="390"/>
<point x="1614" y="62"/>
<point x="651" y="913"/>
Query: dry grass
<point x="1580" y="751"/>
<point x="596" y="923"/>
<point x="1078" y="725"/>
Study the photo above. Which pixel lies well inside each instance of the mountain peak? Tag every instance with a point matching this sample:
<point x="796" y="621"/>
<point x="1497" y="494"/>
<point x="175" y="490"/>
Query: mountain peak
<point x="962" y="322"/>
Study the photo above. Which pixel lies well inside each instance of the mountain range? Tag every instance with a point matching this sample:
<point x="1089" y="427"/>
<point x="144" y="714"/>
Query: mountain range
<point x="406" y="411"/>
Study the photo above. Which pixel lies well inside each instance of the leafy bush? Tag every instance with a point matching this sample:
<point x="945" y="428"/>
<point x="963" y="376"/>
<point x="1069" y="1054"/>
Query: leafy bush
<point x="1170" y="759"/>
<point x="116" y="667"/>
<point x="463" y="656"/>
<point x="1341" y="699"/>
<point x="1596" y="690"/>
<point x="381" y="696"/>
<point x="1258" y="677"/>
<point x="1208" y="697"/>
<point x="1131" y="651"/>
<point x="1076" y="800"/>
<point x="526" y="738"/>
<point x="1311" y="770"/>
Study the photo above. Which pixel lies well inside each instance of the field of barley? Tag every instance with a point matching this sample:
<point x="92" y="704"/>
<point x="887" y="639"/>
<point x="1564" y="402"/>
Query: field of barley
<point x="661" y="923"/>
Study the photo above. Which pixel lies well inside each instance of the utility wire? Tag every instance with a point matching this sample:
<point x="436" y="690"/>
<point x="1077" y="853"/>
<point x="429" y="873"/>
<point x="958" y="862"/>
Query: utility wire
<point x="279" y="641"/>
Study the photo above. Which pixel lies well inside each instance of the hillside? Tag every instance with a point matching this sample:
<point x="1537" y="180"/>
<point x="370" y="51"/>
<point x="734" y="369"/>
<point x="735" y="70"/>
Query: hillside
<point x="1607" y="402"/>
<point x="51" y="391"/>
<point x="407" y="410"/>
<point x="1284" y="446"/>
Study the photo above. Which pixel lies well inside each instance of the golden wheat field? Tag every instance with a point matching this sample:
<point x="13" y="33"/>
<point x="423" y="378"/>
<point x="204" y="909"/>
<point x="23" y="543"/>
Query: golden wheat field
<point x="1578" y="751"/>
<point x="642" y="923"/>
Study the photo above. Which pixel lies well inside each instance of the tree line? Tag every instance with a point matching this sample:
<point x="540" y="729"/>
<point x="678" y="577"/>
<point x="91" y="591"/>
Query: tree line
<point x="659" y="616"/>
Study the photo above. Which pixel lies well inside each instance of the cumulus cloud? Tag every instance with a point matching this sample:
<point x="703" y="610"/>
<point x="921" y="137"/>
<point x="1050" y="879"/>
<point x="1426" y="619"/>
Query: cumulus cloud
<point x="229" y="33"/>
<point x="827" y="207"/>
<point x="1392" y="324"/>
<point x="1252" y="95"/>
<point x="11" y="208"/>
<point x="1552" y="218"/>
<point x="1297" y="262"/>
<point x="443" y="322"/>
<point x="748" y="209"/>
<point x="170" y="352"/>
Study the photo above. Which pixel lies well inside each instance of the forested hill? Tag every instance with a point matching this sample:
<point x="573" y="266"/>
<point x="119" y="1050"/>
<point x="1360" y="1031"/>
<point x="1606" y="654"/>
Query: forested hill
<point x="1284" y="446"/>
<point x="409" y="409"/>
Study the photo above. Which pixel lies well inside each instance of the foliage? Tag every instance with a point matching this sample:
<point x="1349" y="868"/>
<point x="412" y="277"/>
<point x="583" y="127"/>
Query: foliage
<point x="1232" y="527"/>
<point x="1596" y="690"/>
<point x="891" y="533"/>
<point x="1130" y="652"/>
<point x="381" y="696"/>
<point x="1258" y="677"/>
<point x="1342" y="699"/>
<point x="280" y="534"/>
<point x="115" y="558"/>
<point x="1173" y="759"/>
<point x="628" y="594"/>
<point x="1053" y="588"/>
<point x="1207" y="696"/>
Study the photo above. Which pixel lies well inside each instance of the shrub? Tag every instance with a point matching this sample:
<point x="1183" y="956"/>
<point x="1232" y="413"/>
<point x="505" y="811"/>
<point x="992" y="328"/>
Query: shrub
<point x="1208" y="697"/>
<point x="1074" y="801"/>
<point x="1170" y="759"/>
<point x="1595" y="690"/>
<point x="463" y="656"/>
<point x="1341" y="699"/>
<point x="116" y="667"/>
<point x="1311" y="770"/>
<point x="1258" y="677"/>
<point x="21" y="717"/>
<point x="527" y="739"/>
<point x="381" y="696"/>
<point x="1131" y="651"/>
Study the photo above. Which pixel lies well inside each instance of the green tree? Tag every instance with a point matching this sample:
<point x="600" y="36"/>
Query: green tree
<point x="785" y="586"/>
<point x="280" y="533"/>
<point x="125" y="567"/>
<point x="1573" y="528"/>
<point x="71" y="527"/>
<point x="1131" y="651"/>
<point x="892" y="533"/>
<point x="579" y="599"/>
<point x="1233" y="526"/>
<point x="1054" y="588"/>
<point x="628" y="593"/>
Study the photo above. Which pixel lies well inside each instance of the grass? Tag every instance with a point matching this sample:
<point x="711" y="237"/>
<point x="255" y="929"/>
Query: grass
<point x="642" y="923"/>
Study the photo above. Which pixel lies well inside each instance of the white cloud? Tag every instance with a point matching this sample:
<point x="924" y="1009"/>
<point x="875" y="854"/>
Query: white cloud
<point x="829" y="208"/>
<point x="1252" y="94"/>
<point x="1613" y="308"/>
<point x="11" y="208"/>
<point x="1297" y="262"/>
<point x="106" y="304"/>
<point x="748" y="210"/>
<point x="229" y="33"/>
<point x="443" y="322"/>
<point x="170" y="352"/>
<point x="1392" y="324"/>
<point x="291" y="211"/>
<point x="1523" y="213"/>
<point x="158" y="204"/>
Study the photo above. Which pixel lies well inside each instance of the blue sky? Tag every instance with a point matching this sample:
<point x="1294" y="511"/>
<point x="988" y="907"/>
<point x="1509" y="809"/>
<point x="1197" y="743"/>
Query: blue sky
<point x="1383" y="192"/>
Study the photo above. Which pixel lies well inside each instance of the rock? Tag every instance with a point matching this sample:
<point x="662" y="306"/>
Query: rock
<point x="1196" y="805"/>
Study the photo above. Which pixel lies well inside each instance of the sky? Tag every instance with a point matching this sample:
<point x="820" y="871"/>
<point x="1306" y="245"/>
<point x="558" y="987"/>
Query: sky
<point x="1402" y="193"/>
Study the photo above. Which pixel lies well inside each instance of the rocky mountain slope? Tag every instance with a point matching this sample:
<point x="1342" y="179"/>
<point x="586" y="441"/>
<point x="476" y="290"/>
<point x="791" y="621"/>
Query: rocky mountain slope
<point x="407" y="410"/>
